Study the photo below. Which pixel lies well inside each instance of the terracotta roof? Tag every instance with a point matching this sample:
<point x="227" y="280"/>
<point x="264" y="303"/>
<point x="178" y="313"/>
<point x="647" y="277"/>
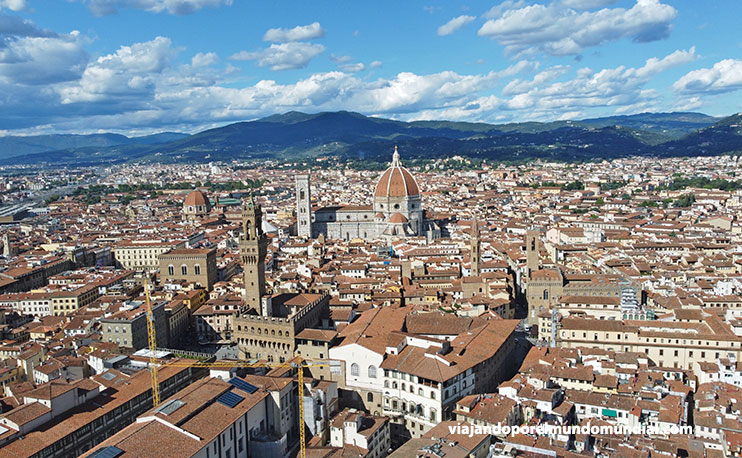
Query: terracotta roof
<point x="396" y="181"/>
<point x="196" y="198"/>
<point x="398" y="218"/>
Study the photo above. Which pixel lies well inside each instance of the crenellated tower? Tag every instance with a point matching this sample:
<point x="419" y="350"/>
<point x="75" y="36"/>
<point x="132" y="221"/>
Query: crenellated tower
<point x="253" y="249"/>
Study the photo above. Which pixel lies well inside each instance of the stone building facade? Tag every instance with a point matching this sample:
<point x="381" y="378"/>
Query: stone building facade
<point x="192" y="265"/>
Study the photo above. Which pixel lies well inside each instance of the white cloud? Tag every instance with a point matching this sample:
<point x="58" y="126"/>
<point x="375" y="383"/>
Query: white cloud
<point x="724" y="76"/>
<point x="454" y="24"/>
<point x="340" y="59"/>
<point x="204" y="59"/>
<point x="129" y="72"/>
<point x="13" y="5"/>
<point x="375" y="64"/>
<point x="545" y="98"/>
<point x="497" y="10"/>
<point x="353" y="68"/>
<point x="559" y="30"/>
<point x="179" y="7"/>
<point x="32" y="56"/>
<point x="298" y="33"/>
<point x="587" y="4"/>
<point x="284" y="56"/>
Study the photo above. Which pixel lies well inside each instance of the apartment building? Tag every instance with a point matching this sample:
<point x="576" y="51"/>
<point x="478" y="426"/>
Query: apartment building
<point x="425" y="377"/>
<point x="671" y="343"/>
<point x="77" y="430"/>
<point x="128" y="327"/>
<point x="143" y="254"/>
<point x="67" y="301"/>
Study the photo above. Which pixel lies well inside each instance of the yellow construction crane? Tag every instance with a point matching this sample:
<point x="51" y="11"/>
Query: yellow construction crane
<point x="152" y="337"/>
<point x="298" y="363"/>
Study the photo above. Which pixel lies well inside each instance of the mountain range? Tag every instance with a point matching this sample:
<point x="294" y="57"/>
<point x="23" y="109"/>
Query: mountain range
<point x="354" y="136"/>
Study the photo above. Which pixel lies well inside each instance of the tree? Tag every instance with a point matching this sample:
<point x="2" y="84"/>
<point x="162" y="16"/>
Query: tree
<point x="684" y="201"/>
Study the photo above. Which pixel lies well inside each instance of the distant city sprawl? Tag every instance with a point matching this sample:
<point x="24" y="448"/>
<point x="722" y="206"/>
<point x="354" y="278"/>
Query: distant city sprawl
<point x="326" y="307"/>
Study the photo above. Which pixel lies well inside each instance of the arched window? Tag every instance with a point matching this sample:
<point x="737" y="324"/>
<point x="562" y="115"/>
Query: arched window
<point x="370" y="397"/>
<point x="372" y="371"/>
<point x="546" y="294"/>
<point x="433" y="415"/>
<point x="197" y="269"/>
<point x="432" y="395"/>
<point x="386" y="383"/>
<point x="354" y="369"/>
<point x="184" y="269"/>
<point x="171" y="269"/>
<point x="420" y="391"/>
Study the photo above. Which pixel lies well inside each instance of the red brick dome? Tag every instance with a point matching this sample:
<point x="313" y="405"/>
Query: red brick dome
<point x="396" y="181"/>
<point x="398" y="218"/>
<point x="196" y="198"/>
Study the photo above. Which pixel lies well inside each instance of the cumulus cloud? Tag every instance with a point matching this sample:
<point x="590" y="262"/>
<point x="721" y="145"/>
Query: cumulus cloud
<point x="454" y="24"/>
<point x="204" y="59"/>
<point x="560" y="30"/>
<point x="129" y="72"/>
<point x="298" y="33"/>
<point x="544" y="97"/>
<point x="724" y="76"/>
<point x="283" y="56"/>
<point x="33" y="56"/>
<point x="179" y="7"/>
<point x="13" y="5"/>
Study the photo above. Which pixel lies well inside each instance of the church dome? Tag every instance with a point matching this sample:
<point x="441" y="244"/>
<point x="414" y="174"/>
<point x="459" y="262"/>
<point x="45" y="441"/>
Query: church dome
<point x="398" y="218"/>
<point x="396" y="181"/>
<point x="196" y="198"/>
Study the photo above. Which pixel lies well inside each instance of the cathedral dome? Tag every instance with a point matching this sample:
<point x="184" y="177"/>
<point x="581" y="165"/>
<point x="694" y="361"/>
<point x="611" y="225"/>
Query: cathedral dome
<point x="196" y="198"/>
<point x="396" y="181"/>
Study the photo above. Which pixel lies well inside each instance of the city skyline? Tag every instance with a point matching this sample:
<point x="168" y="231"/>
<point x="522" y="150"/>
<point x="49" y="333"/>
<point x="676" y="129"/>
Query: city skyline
<point x="137" y="67"/>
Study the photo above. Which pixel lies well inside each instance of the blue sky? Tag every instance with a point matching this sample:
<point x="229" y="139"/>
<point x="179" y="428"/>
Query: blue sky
<point x="142" y="66"/>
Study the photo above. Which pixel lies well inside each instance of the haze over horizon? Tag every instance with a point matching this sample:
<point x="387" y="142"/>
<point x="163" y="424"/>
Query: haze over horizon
<point x="137" y="67"/>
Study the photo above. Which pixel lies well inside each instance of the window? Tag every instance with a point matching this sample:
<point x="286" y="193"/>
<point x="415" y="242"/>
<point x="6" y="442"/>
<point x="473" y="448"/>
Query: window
<point x="370" y="397"/>
<point x="184" y="269"/>
<point x="197" y="269"/>
<point x="171" y="270"/>
<point x="546" y="294"/>
<point x="354" y="369"/>
<point x="372" y="371"/>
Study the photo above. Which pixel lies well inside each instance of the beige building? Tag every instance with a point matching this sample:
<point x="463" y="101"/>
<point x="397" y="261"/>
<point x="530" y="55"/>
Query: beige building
<point x="671" y="344"/>
<point x="144" y="254"/>
<point x="64" y="302"/>
<point x="192" y="265"/>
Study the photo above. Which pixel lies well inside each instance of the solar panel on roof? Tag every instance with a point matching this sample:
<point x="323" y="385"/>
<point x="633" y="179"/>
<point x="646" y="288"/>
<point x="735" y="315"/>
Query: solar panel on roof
<point x="230" y="399"/>
<point x="107" y="452"/>
<point x="243" y="385"/>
